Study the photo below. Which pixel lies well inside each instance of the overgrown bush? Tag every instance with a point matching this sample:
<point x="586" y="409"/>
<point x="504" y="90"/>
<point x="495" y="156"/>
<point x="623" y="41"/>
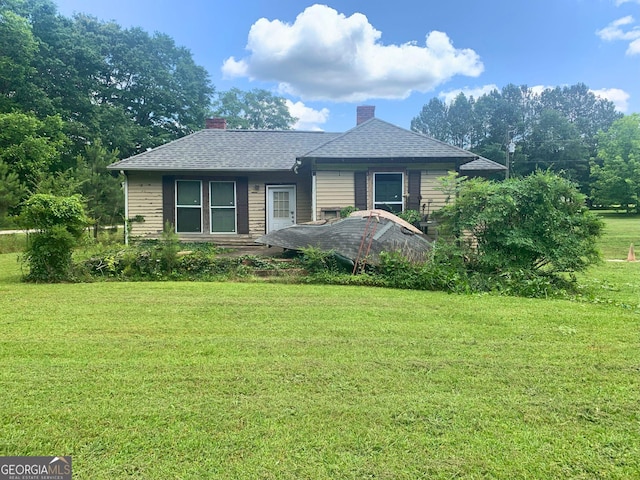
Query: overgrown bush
<point x="411" y="216"/>
<point x="167" y="251"/>
<point x="346" y="211"/>
<point x="60" y="222"/>
<point x="151" y="261"/>
<point x="316" y="261"/>
<point x="539" y="223"/>
<point x="443" y="271"/>
<point x="447" y="271"/>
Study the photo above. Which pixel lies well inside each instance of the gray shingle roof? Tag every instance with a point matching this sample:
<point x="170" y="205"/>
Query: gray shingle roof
<point x="376" y="138"/>
<point x="482" y="165"/>
<point x="273" y="150"/>
<point x="228" y="150"/>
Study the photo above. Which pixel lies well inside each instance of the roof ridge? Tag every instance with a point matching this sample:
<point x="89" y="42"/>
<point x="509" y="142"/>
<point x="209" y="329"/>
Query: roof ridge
<point x="342" y="135"/>
<point x="467" y="153"/>
<point x="263" y="130"/>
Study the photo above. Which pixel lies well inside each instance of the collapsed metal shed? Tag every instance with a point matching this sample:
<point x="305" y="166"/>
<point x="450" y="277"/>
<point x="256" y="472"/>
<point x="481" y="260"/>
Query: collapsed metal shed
<point x="360" y="237"/>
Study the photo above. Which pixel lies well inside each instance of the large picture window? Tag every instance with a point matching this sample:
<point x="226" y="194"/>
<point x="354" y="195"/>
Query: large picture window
<point x="388" y="191"/>
<point x="188" y="206"/>
<point x="222" y="199"/>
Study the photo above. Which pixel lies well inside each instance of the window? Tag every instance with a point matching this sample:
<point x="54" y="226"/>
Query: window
<point x="388" y="191"/>
<point x="281" y="204"/>
<point x="222" y="197"/>
<point x="188" y="206"/>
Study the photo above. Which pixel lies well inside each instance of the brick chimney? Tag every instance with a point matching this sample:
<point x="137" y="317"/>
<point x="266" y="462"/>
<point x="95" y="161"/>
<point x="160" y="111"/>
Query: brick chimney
<point x="365" y="112"/>
<point x="216" y="123"/>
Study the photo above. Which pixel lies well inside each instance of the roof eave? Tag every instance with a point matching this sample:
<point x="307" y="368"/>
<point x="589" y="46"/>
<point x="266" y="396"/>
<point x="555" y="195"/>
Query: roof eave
<point x="188" y="170"/>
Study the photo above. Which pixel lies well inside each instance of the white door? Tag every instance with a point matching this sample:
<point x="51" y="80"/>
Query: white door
<point x="281" y="207"/>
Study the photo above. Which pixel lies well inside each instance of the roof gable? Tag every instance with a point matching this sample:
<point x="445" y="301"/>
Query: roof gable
<point x="376" y="138"/>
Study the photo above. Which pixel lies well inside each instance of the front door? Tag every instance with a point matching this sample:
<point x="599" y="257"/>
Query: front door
<point x="281" y="207"/>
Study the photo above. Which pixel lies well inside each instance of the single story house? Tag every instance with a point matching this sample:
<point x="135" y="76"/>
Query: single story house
<point x="232" y="186"/>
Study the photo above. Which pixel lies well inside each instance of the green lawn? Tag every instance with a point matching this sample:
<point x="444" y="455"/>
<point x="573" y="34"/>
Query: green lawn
<point x="621" y="230"/>
<point x="214" y="380"/>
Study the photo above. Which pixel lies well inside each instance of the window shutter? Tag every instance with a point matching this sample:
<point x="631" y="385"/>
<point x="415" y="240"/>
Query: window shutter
<point x="360" y="186"/>
<point x="242" y="199"/>
<point x="168" y="200"/>
<point x="414" y="190"/>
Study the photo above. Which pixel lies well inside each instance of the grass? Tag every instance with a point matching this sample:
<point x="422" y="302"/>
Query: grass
<point x="222" y="380"/>
<point x="12" y="242"/>
<point x="621" y="230"/>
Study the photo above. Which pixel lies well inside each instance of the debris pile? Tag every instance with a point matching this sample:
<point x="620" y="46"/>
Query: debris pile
<point x="361" y="237"/>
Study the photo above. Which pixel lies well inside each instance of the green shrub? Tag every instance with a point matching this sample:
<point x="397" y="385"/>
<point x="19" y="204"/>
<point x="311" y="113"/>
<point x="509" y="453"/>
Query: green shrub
<point x="411" y="216"/>
<point x="536" y="223"/>
<point x="315" y="261"/>
<point x="346" y="211"/>
<point x="49" y="255"/>
<point x="60" y="222"/>
<point x="166" y="252"/>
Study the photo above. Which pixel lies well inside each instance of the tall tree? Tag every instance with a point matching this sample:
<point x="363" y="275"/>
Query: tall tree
<point x="462" y="122"/>
<point x="66" y="83"/>
<point x="131" y="89"/>
<point x="18" y="47"/>
<point x="254" y="110"/>
<point x="433" y="120"/>
<point x="617" y="178"/>
<point x="11" y="191"/>
<point x="556" y="128"/>
<point x="581" y="107"/>
<point x="101" y="190"/>
<point x="146" y="81"/>
<point x="31" y="148"/>
<point x="555" y="144"/>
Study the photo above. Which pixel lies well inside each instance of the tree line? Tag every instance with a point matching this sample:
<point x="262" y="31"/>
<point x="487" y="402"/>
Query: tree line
<point x="78" y="93"/>
<point x="568" y="130"/>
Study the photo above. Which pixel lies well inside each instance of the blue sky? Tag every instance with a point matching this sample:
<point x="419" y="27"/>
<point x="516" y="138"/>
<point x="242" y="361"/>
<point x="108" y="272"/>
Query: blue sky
<point x="327" y="58"/>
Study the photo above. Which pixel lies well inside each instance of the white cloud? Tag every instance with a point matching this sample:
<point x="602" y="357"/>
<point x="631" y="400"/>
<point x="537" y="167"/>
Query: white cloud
<point x="474" y="92"/>
<point x="615" y="31"/>
<point x="325" y="55"/>
<point x="538" y="89"/>
<point x="634" y="47"/>
<point x="620" y="2"/>
<point x="619" y="97"/>
<point x="308" y="118"/>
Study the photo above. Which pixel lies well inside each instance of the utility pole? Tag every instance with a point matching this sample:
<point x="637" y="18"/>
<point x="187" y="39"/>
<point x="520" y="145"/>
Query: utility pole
<point x="510" y="149"/>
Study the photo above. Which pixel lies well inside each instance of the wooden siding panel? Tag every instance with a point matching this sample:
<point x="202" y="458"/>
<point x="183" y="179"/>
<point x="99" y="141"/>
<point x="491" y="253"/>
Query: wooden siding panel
<point x="334" y="189"/>
<point x="145" y="200"/>
<point x="432" y="197"/>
